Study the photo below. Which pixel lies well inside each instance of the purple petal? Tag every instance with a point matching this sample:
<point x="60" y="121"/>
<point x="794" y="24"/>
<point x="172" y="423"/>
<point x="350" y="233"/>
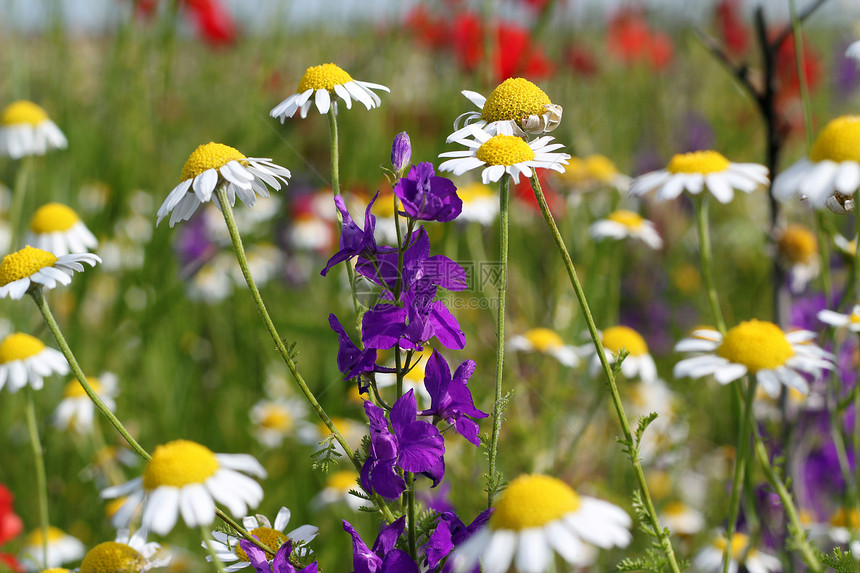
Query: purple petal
<point x="383" y="325"/>
<point x="363" y="559"/>
<point x="445" y="326"/>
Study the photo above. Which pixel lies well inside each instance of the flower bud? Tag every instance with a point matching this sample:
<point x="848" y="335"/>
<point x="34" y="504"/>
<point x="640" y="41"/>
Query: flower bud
<point x="401" y="151"/>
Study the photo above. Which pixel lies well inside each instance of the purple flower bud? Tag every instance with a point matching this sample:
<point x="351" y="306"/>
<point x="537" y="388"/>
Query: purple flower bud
<point x="401" y="151"/>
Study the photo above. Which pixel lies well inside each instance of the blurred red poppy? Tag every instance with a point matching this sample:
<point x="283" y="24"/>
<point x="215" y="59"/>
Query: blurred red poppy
<point x="428" y="30"/>
<point x="524" y="193"/>
<point x="213" y="21"/>
<point x="630" y="40"/>
<point x="734" y="33"/>
<point x="12" y="563"/>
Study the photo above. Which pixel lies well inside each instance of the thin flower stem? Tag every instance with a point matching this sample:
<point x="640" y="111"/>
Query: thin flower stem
<point x="19" y="193"/>
<point x="796" y="529"/>
<point x="741" y="455"/>
<point x="410" y="519"/>
<point x="207" y="542"/>
<point x="701" y="205"/>
<point x="504" y="200"/>
<point x="242" y="531"/>
<point x="658" y="531"/>
<point x="39" y="463"/>
<point x="42" y="304"/>
<point x="227" y="211"/>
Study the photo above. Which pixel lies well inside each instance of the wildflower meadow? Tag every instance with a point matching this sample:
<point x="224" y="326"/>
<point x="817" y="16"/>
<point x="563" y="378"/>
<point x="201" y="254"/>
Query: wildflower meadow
<point x="518" y="286"/>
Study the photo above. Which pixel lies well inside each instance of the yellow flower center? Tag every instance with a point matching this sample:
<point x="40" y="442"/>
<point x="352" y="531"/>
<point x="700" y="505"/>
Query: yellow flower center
<point x="600" y="167"/>
<point x="113" y="506"/>
<point x="384" y="206"/>
<point x="838" y="141"/>
<point x="19" y="346"/>
<point x="342" y="481"/>
<point x="23" y="263"/>
<point x="544" y="339"/>
<point x="271" y="538"/>
<point x="75" y="390"/>
<point x="843" y="518"/>
<point x="756" y="344"/>
<point x="342" y="424"/>
<point x="629" y="219"/>
<point x="474" y="192"/>
<point x="209" y="156"/>
<point x="698" y="162"/>
<point x="798" y="244"/>
<point x="276" y="417"/>
<point x="675" y="508"/>
<point x="618" y="338"/>
<point x="112" y="557"/>
<point x="854" y="318"/>
<point x="739" y="544"/>
<point x="179" y="463"/>
<point x="532" y="501"/>
<point x="515" y="99"/>
<point x="52" y="218"/>
<point x="36" y="538"/>
<point x="323" y="77"/>
<point x="504" y="150"/>
<point x="22" y="111"/>
<point x="660" y="483"/>
<point x="56" y="570"/>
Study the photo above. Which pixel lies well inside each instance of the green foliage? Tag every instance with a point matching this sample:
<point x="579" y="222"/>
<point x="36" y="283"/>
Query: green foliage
<point x="326" y="455"/>
<point x="839" y="561"/>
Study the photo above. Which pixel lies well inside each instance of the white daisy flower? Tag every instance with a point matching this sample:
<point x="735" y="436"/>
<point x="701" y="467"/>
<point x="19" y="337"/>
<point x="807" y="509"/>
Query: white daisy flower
<point x="535" y="517"/>
<point x="26" y="129"/>
<point x="319" y="85"/>
<point x="129" y="554"/>
<point x="710" y="559"/>
<point x="227" y="547"/>
<point x="681" y="518"/>
<point x="851" y="321"/>
<point x="845" y="246"/>
<point x="667" y="430"/>
<point x="32" y="268"/>
<point x="480" y="203"/>
<point x="595" y="171"/>
<point x="216" y="164"/>
<point x="853" y="51"/>
<point x="797" y="251"/>
<point x="62" y="548"/>
<point x="214" y="281"/>
<point x="309" y="232"/>
<point x="842" y="528"/>
<point x="545" y="341"/>
<point x="755" y="347"/>
<point x="58" y="229"/>
<point x="186" y="478"/>
<point x="832" y="169"/>
<point x="336" y="490"/>
<point x="639" y="362"/>
<point x="699" y="170"/>
<point x="623" y="224"/>
<point x="75" y="412"/>
<point x="500" y="154"/>
<point x="277" y="419"/>
<point x="515" y="107"/>
<point x="265" y="260"/>
<point x="25" y="360"/>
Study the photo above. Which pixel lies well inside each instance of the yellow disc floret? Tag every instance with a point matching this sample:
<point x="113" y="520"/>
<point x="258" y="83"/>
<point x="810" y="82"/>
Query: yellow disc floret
<point x="179" y="463"/>
<point x="21" y="112"/>
<point x="514" y="99"/>
<point x="533" y="501"/>
<point x="473" y="192"/>
<point x="209" y="156"/>
<point x="756" y="344"/>
<point x="838" y="141"/>
<point x="113" y="557"/>
<point x="52" y="218"/>
<point x="24" y="263"/>
<point x="271" y="538"/>
<point x="544" y="339"/>
<point x="55" y="570"/>
<point x="276" y="417"/>
<point x="74" y="389"/>
<point x="798" y="244"/>
<point x="323" y="77"/>
<point x="618" y="338"/>
<point x="35" y="537"/>
<point x="740" y="542"/>
<point x="19" y="346"/>
<point x="629" y="219"/>
<point x="504" y="150"/>
<point x="698" y="162"/>
<point x="845" y="518"/>
<point x="343" y="480"/>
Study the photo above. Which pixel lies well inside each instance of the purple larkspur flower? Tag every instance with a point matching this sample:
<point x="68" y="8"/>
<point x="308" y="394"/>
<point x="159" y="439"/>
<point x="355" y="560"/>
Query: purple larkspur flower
<point x="427" y="196"/>
<point x="194" y="245"/>
<point x="413" y="446"/>
<point x="805" y="309"/>
<point x="351" y="360"/>
<point x="384" y="557"/>
<point x="449" y="533"/>
<point x="280" y="564"/>
<point x="354" y="241"/>
<point x="401" y="151"/>
<point x="450" y="398"/>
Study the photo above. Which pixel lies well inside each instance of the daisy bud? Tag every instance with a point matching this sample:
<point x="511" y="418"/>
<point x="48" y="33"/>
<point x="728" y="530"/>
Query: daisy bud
<point x="401" y="151"/>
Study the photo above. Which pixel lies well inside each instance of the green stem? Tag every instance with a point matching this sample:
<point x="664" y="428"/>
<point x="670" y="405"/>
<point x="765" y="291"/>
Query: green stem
<point x="741" y="455"/>
<point x="207" y="542"/>
<point x="701" y="204"/>
<point x="39" y="462"/>
<point x="824" y="257"/>
<point x="238" y="247"/>
<point x="795" y="527"/>
<point x="42" y="304"/>
<point x="658" y="531"/>
<point x="410" y="519"/>
<point x="19" y="193"/>
<point x="504" y="199"/>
